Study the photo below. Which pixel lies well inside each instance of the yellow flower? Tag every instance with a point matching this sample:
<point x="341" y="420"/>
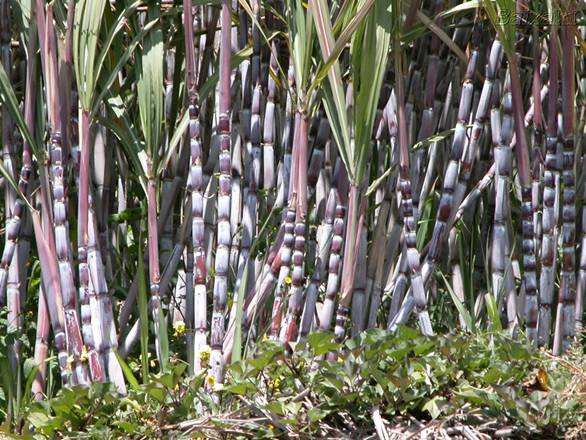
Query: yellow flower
<point x="70" y="360"/>
<point x="288" y="280"/>
<point x="179" y="327"/>
<point x="276" y="384"/>
<point x="84" y="357"/>
<point x="265" y="338"/>
<point x="204" y="354"/>
<point x="210" y="380"/>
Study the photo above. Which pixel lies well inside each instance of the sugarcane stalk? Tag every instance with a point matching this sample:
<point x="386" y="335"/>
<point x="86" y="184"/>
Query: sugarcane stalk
<point x="70" y="371"/>
<point x="289" y="328"/>
<point x="565" y="319"/>
<point x="198" y="269"/>
<point x="324" y="242"/>
<point x="548" y="244"/>
<point x="224" y="187"/>
<point x="501" y="134"/>
<point x="41" y="347"/>
<point x="447" y="198"/>
<point x="410" y="226"/>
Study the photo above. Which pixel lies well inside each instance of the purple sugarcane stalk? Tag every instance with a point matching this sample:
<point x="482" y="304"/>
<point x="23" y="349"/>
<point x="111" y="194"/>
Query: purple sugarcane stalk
<point x="224" y="186"/>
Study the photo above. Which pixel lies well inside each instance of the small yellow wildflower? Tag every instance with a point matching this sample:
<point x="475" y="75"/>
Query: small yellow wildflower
<point x="276" y="384"/>
<point x="210" y="380"/>
<point x="84" y="357"/>
<point x="179" y="327"/>
<point x="288" y="280"/>
<point x="265" y="338"/>
<point x="204" y="354"/>
<point x="70" y="360"/>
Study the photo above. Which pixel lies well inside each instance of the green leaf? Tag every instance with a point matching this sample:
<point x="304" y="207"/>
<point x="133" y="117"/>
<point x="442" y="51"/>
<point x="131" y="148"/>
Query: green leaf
<point x="150" y="86"/>
<point x="10" y="103"/>
<point x="436" y="406"/>
<point x="333" y="91"/>
<point x="128" y="373"/>
<point x="462" y="310"/>
<point x="321" y="343"/>
<point x="493" y="313"/>
<point x="86" y="31"/>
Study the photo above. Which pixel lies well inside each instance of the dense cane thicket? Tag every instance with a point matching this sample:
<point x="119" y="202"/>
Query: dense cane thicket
<point x="183" y="180"/>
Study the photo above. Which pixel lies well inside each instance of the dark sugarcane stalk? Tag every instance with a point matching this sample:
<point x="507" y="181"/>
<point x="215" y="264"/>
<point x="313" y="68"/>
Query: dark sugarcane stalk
<point x="359" y="298"/>
<point x="10" y="292"/>
<point x="61" y="237"/>
<point x="524" y="172"/>
<point x="224" y="187"/>
<point x="404" y="183"/>
<point x="501" y="138"/>
<point x="284" y="261"/>
<point x="324" y="243"/>
<point x="480" y="119"/>
<point x="334" y="267"/>
<point x="447" y="198"/>
<point x="71" y="372"/>
<point x="565" y="320"/>
<point x="286" y="250"/>
<point x="103" y="304"/>
<point x="548" y="244"/>
<point x="355" y="220"/>
<point x="377" y="256"/>
<point x="269" y="128"/>
<point x="320" y="236"/>
<point x="538" y="144"/>
<point x="581" y="283"/>
<point x="250" y="212"/>
<point x="428" y="115"/>
<point x="287" y="140"/>
<point x="289" y="329"/>
<point x="474" y="194"/>
<point x="197" y="202"/>
<point x="531" y="308"/>
<point x="239" y="41"/>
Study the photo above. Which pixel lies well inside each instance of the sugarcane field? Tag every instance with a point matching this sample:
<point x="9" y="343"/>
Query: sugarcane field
<point x="298" y="219"/>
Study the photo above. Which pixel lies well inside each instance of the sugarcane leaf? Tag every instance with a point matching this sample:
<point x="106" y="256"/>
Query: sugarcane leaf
<point x="125" y="131"/>
<point x="113" y="74"/>
<point x="379" y="180"/>
<point x="86" y="30"/>
<point x="493" y="313"/>
<point x="10" y="179"/>
<point x="128" y="374"/>
<point x="10" y="103"/>
<point x="333" y="90"/>
<point x="438" y="137"/>
<point x="462" y="310"/>
<point x="150" y="86"/>
<point x="462" y="7"/>
<point x="345" y="36"/>
<point x="440" y="33"/>
<point x="370" y="50"/>
<point x="503" y="21"/>
<point x="163" y="341"/>
<point x="117" y="27"/>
